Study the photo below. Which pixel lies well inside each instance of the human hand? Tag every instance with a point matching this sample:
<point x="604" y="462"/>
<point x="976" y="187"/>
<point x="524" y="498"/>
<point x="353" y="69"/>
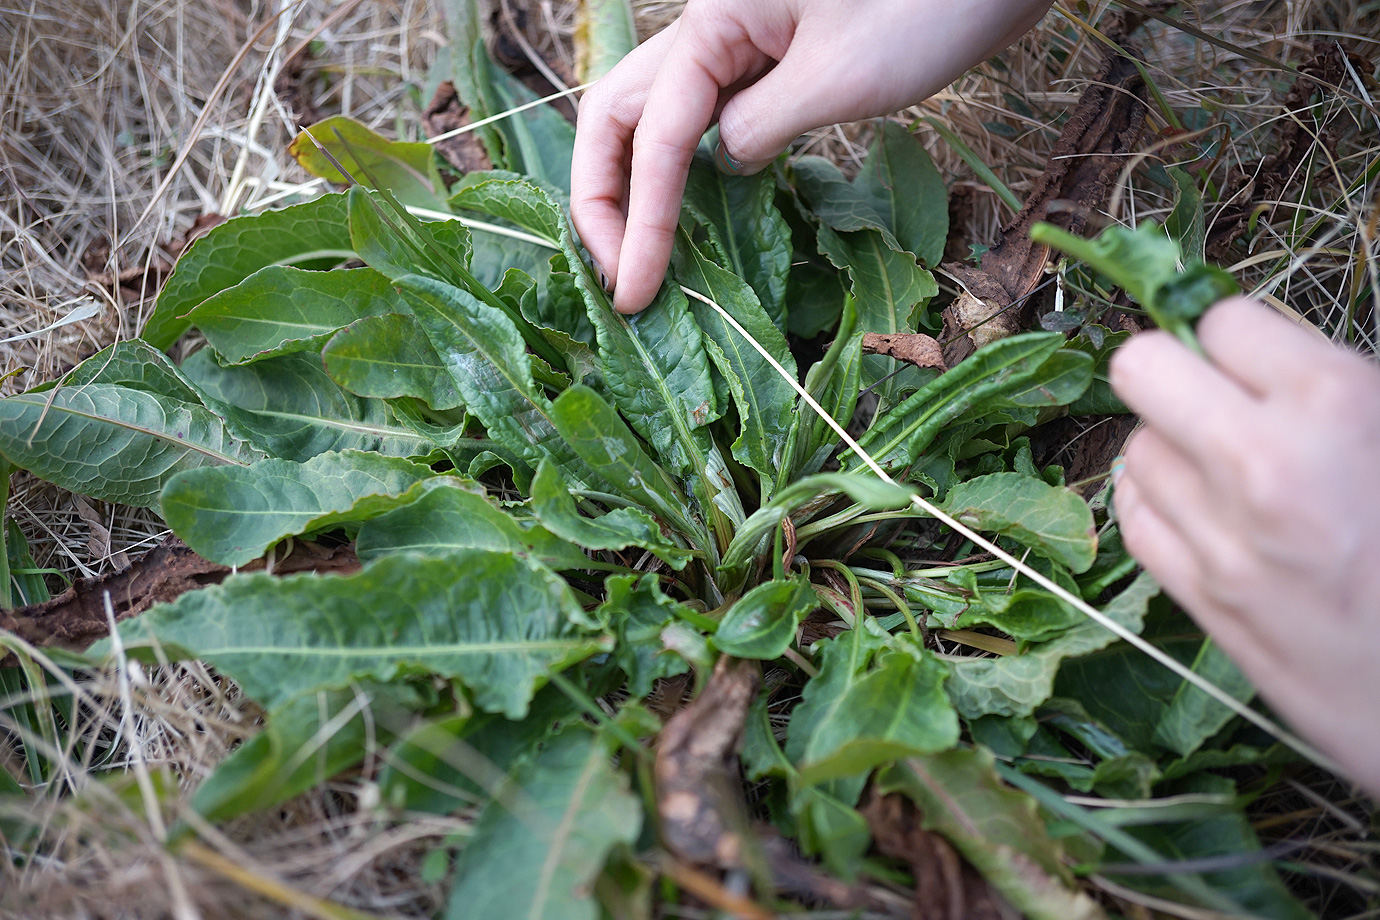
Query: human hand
<point x="1253" y="494"/>
<point x="768" y="70"/>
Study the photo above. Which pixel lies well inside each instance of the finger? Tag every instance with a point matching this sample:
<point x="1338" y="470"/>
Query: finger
<point x="1259" y="348"/>
<point x="1173" y="485"/>
<point x="1171" y="559"/>
<point x="797" y="95"/>
<point x="599" y="165"/>
<point x="706" y="55"/>
<point x="1156" y="544"/>
<point x="1199" y="409"/>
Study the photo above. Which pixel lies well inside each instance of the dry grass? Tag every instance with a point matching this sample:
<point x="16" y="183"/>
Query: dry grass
<point x="100" y="100"/>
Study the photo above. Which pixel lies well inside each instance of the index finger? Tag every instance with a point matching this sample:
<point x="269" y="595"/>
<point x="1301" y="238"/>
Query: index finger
<point x="1189" y="402"/>
<point x="599" y="165"/>
<point x="680" y="106"/>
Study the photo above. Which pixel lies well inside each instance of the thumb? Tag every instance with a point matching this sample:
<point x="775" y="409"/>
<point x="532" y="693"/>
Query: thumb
<point x="797" y="95"/>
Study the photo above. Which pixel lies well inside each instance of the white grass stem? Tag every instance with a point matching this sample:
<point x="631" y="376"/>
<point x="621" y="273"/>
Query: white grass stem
<point x="511" y="112"/>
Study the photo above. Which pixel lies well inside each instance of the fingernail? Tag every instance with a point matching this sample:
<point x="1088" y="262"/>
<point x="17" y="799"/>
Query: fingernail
<point x="603" y="280"/>
<point x="726" y="161"/>
<point x="1118" y="467"/>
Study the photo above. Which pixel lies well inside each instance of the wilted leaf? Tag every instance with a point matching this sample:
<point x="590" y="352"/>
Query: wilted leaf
<point x="408" y="170"/>
<point x="604" y="34"/>
<point x="998" y="829"/>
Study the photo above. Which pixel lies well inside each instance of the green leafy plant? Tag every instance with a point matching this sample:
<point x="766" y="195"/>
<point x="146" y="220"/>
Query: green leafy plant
<point x="554" y="503"/>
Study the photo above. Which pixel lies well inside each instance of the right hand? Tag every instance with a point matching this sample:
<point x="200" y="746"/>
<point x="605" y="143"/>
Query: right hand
<point x="768" y="70"/>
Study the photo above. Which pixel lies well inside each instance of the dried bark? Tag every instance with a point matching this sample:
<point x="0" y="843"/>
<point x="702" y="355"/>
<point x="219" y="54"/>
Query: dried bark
<point x="1103" y="130"/>
<point x="77" y="617"/>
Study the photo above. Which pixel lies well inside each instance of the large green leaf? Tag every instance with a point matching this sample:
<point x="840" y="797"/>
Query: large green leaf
<point x="763" y="622"/>
<point x="290" y="407"/>
<point x="765" y="399"/>
<point x="233" y="515"/>
<point x="888" y="286"/>
<point x="618" y="529"/>
<point x="498" y="622"/>
<point x="862" y="720"/>
<point x="450" y="514"/>
<point x="310" y="235"/>
<point x="1193" y="717"/>
<point x="113" y="442"/>
<point x="1014" y="685"/>
<point x="748" y="235"/>
<point x="387" y="357"/>
<point x="594" y="430"/>
<point x="999" y="830"/>
<point x="1051" y="520"/>
<point x="281" y="309"/>
<point x="486" y="358"/>
<point x="900" y="181"/>
<point x="470" y="68"/>
<point x="408" y="170"/>
<point x="537" y="848"/>
<point x="899" y="436"/>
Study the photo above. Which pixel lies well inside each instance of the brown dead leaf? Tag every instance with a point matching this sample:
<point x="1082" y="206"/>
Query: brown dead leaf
<point x="76" y="617"/>
<point x="464" y="152"/>
<point x="946" y="887"/>
<point x="1103" y="130"/>
<point x="912" y="348"/>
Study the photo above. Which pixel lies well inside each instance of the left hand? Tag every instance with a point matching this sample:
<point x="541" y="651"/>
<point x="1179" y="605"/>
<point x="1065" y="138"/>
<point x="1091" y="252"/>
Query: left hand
<point x="1253" y="494"/>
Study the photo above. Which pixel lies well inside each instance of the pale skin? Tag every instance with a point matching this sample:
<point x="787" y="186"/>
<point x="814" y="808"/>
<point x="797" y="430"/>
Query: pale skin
<point x="1252" y="489"/>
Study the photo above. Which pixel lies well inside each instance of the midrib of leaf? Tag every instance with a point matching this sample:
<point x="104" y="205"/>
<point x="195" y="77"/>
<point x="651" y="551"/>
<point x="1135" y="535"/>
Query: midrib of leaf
<point x="159" y="435"/>
<point x="735" y="254"/>
<point x="314" y="254"/>
<point x="886" y="280"/>
<point x="934" y="408"/>
<point x="563" y="831"/>
<point x="361" y="427"/>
